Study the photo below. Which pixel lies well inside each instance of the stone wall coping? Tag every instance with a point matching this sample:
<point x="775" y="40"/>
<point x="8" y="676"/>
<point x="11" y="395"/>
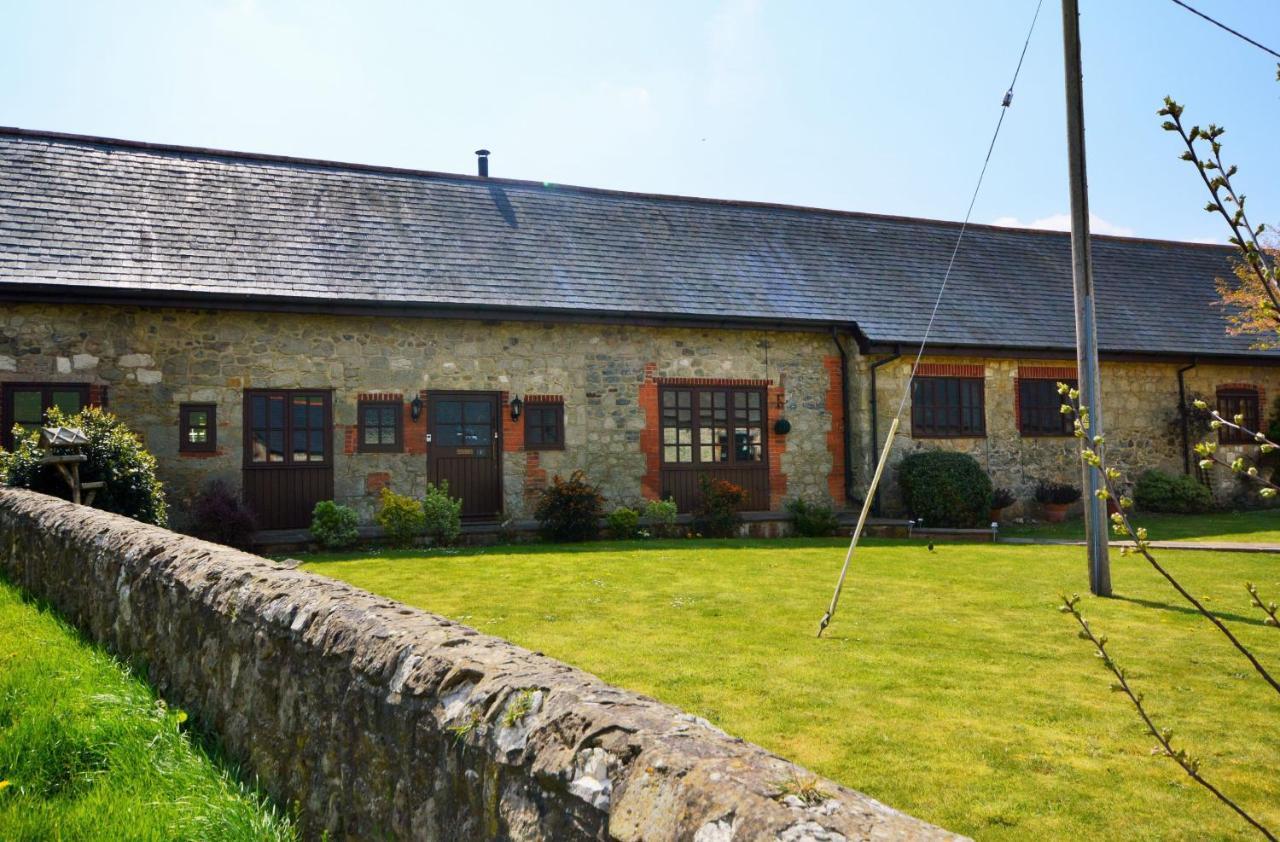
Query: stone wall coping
<point x="381" y="719"/>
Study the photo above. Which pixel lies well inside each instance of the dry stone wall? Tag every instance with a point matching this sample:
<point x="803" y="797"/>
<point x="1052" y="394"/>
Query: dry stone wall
<point x="382" y="721"/>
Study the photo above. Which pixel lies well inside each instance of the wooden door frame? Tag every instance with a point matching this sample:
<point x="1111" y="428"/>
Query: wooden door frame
<point x="696" y="467"/>
<point x="499" y="422"/>
<point x="253" y="473"/>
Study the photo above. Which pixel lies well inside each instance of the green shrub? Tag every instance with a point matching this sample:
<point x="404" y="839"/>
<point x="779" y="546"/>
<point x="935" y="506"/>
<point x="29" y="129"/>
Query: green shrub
<point x="1157" y="491"/>
<point x="624" y="523"/>
<point x="812" y="520"/>
<point x="716" y="515"/>
<point x="945" y="489"/>
<point x="661" y="517"/>
<point x="401" y="517"/>
<point x="116" y="457"/>
<point x="1056" y="493"/>
<point x="569" y="510"/>
<point x="442" y="514"/>
<point x="333" y="525"/>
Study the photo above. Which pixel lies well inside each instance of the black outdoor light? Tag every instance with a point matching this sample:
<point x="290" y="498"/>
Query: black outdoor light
<point x="782" y="426"/>
<point x="516" y="406"/>
<point x="415" y="408"/>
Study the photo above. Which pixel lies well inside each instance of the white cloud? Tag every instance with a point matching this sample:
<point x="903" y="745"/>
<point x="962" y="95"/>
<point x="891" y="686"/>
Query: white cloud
<point x="1062" y="222"/>
<point x="737" y="53"/>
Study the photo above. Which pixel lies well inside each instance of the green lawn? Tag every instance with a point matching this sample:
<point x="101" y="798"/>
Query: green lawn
<point x="1254" y="527"/>
<point x="88" y="753"/>
<point x="949" y="686"/>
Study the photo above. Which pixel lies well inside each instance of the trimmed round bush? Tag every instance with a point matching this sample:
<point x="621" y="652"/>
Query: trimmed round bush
<point x="946" y="489"/>
<point x="624" y="523"/>
<point x="1157" y="491"/>
<point x="334" y="526"/>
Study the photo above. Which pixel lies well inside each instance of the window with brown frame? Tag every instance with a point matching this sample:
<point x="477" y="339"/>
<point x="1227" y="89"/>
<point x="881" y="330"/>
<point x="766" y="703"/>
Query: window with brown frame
<point x="381" y="425"/>
<point x="948" y="407"/>
<point x="1233" y="401"/>
<point x="710" y="425"/>
<point x="25" y="404"/>
<point x="1040" y="408"/>
<point x="544" y="426"/>
<point x="286" y="427"/>
<point x="197" y="428"/>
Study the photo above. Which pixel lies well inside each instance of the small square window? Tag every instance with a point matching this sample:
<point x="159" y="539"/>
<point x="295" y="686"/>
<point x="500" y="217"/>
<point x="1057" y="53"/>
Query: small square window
<point x="197" y="428"/>
<point x="544" y="426"/>
<point x="381" y="425"/>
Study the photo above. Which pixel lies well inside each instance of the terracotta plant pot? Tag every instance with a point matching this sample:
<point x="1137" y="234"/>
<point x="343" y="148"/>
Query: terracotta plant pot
<point x="1056" y="512"/>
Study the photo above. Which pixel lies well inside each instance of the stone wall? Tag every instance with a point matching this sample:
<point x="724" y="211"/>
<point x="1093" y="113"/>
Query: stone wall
<point x="381" y="721"/>
<point x="1140" y="404"/>
<point x="151" y="360"/>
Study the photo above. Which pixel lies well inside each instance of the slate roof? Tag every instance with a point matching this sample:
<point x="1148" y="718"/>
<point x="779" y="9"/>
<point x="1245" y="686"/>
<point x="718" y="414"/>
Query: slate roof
<point x="175" y="223"/>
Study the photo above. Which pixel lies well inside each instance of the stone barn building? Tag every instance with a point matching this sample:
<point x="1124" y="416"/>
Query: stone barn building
<point x="310" y="330"/>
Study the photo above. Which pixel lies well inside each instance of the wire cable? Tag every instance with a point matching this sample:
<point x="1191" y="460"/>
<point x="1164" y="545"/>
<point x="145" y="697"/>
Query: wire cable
<point x="1221" y="25"/>
<point x="946" y="276"/>
<point x="924" y="340"/>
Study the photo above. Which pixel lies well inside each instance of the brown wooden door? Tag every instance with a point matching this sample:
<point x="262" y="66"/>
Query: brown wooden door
<point x="464" y="447"/>
<point x="718" y="432"/>
<point x="288" y="454"/>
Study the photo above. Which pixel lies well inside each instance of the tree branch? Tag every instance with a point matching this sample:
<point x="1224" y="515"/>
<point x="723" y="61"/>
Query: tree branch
<point x="1164" y="736"/>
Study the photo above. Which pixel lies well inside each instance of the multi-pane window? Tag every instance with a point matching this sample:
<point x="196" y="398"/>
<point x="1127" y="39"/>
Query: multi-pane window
<point x="1235" y="401"/>
<point x="459" y="422"/>
<point x="25" y="404"/>
<point x="1039" y="408"/>
<point x="544" y="426"/>
<point x="197" y="428"/>
<point x="287" y="427"/>
<point x="713" y="426"/>
<point x="380" y="424"/>
<point x="945" y="407"/>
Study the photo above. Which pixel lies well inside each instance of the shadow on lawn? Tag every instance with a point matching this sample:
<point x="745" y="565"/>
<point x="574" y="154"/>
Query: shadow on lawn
<point x="1186" y="609"/>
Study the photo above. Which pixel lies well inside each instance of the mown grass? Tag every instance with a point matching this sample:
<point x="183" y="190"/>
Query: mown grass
<point x="87" y="751"/>
<point x="1253" y="527"/>
<point x="948" y="686"/>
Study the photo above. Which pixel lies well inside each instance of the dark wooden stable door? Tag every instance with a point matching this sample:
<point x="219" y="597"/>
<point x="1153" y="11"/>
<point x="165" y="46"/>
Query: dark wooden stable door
<point x="717" y="432"/>
<point x="465" y="448"/>
<point x="288" y="455"/>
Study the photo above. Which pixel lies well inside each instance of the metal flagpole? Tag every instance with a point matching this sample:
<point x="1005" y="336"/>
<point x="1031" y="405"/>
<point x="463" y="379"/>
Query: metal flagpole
<point x="1095" y="510"/>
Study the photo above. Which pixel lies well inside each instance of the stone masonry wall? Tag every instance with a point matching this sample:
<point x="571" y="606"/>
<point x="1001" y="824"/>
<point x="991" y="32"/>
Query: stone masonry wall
<point x="381" y="721"/>
<point x="150" y="361"/>
<point x="1140" y="405"/>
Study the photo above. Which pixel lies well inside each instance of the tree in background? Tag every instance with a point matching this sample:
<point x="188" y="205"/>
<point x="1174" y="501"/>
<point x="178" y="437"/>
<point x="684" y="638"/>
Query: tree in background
<point x="1252" y="294"/>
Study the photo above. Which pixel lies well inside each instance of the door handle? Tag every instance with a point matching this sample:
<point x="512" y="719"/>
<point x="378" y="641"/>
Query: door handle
<point x="428" y="438"/>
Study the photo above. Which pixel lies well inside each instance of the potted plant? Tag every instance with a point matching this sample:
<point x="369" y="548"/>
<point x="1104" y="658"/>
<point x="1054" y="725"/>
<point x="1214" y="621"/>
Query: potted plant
<point x="1001" y="499"/>
<point x="1056" y="498"/>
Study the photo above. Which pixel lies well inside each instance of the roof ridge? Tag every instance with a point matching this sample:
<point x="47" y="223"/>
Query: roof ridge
<point x="322" y="163"/>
